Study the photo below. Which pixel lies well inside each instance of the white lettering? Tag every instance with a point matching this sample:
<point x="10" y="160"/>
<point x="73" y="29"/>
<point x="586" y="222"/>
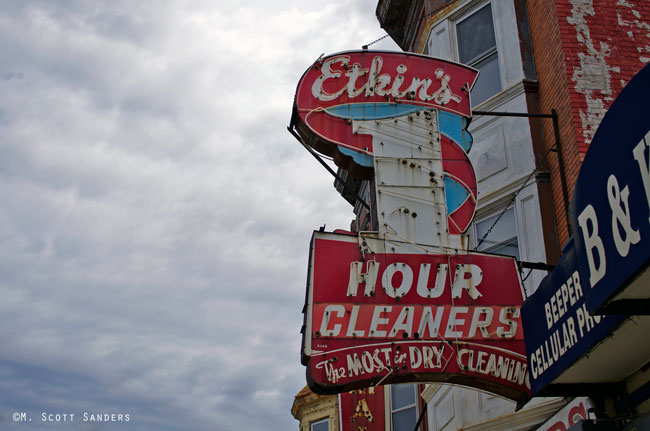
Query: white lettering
<point x="515" y="312"/>
<point x="644" y="165"/>
<point x="576" y="283"/>
<point x="375" y="67"/>
<point x="453" y="322"/>
<point x="481" y="324"/>
<point x="416" y="357"/>
<point x="333" y="374"/>
<point x="397" y="82"/>
<point x="427" y="321"/>
<point x="444" y="94"/>
<point x="326" y="73"/>
<point x="354" y="365"/>
<point x="368" y="363"/>
<point x="380" y="85"/>
<point x="429" y="353"/>
<point x="463" y="282"/>
<point x="353" y="75"/>
<point x="404" y="322"/>
<point x="378" y="320"/>
<point x="329" y="310"/>
<point x="405" y="285"/>
<point x="592" y="242"/>
<point x="369" y="278"/>
<point x="621" y="217"/>
<point x="352" y="331"/>
<point x="423" y="281"/>
<point x="549" y="317"/>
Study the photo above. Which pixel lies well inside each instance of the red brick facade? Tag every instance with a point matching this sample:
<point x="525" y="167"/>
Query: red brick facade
<point x="585" y="52"/>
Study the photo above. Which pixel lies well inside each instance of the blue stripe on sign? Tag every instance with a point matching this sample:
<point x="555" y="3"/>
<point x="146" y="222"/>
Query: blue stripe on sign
<point x="359" y="158"/>
<point x="455" y="194"/>
<point x="453" y="126"/>
<point x="371" y="111"/>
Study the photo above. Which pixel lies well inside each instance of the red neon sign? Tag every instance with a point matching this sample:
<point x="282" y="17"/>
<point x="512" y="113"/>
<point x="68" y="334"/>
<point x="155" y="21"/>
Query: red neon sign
<point x="392" y="317"/>
<point x="374" y="84"/>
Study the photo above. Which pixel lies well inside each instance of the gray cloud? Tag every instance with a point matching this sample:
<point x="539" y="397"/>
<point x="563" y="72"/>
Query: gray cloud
<point x="156" y="214"/>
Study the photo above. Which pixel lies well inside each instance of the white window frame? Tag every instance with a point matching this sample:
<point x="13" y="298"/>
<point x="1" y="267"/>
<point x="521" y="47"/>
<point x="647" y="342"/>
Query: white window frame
<point x="464" y="15"/>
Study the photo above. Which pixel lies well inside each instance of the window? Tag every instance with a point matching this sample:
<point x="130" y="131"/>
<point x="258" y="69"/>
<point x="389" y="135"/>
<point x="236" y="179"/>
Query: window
<point x="477" y="47"/>
<point x="502" y="239"/>
<point x="320" y="425"/>
<point x="403" y="410"/>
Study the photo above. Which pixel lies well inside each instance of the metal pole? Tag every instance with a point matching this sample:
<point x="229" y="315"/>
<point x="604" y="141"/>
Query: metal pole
<point x="560" y="160"/>
<point x="424" y="410"/>
<point x="558" y="150"/>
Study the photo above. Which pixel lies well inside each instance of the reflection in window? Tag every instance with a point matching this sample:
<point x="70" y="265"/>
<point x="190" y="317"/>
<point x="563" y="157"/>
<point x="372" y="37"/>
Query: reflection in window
<point x="403" y="407"/>
<point x="503" y="237"/>
<point x="320" y="425"/>
<point x="477" y="48"/>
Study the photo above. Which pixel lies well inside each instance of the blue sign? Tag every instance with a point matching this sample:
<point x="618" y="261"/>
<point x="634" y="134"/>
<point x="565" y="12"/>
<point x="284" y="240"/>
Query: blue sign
<point x="611" y="201"/>
<point x="558" y="328"/>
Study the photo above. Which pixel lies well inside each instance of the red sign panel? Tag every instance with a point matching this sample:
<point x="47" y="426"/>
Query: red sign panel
<point x="571" y="414"/>
<point x="373" y="85"/>
<point x="377" y="317"/>
<point x="363" y="409"/>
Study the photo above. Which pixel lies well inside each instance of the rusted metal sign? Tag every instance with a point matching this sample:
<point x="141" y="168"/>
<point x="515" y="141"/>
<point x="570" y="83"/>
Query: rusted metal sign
<point x="376" y="317"/>
<point x="363" y="409"/>
<point x="372" y="85"/>
<point x="575" y="411"/>
<point x="407" y="301"/>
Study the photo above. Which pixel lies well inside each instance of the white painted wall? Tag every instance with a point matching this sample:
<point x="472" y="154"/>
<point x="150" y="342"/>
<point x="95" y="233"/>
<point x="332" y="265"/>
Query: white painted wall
<point x="502" y="153"/>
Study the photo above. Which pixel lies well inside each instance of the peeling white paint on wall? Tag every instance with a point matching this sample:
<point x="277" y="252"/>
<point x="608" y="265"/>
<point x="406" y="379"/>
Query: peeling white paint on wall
<point x="641" y="26"/>
<point x="593" y="75"/>
<point x="593" y="78"/>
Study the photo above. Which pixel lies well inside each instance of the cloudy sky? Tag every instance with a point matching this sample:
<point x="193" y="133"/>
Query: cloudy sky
<point x="155" y="214"/>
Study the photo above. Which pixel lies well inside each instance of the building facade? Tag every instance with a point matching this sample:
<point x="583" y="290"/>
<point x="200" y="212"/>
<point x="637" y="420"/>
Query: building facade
<point x="557" y="65"/>
<point x="566" y="58"/>
<point x="316" y="412"/>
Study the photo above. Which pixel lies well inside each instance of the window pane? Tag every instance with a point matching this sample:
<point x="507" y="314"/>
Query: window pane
<point x="503" y="230"/>
<point x="509" y="248"/>
<point x="476" y="36"/>
<point x="503" y="237"/>
<point x="402" y="396"/>
<point x="323" y="425"/>
<point x="404" y="420"/>
<point x="489" y="80"/>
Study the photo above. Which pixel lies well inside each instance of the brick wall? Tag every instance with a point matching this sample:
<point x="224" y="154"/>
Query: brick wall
<point x="585" y="53"/>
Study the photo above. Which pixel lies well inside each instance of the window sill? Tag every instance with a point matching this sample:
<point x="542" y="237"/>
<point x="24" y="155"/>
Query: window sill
<point x="501" y="98"/>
